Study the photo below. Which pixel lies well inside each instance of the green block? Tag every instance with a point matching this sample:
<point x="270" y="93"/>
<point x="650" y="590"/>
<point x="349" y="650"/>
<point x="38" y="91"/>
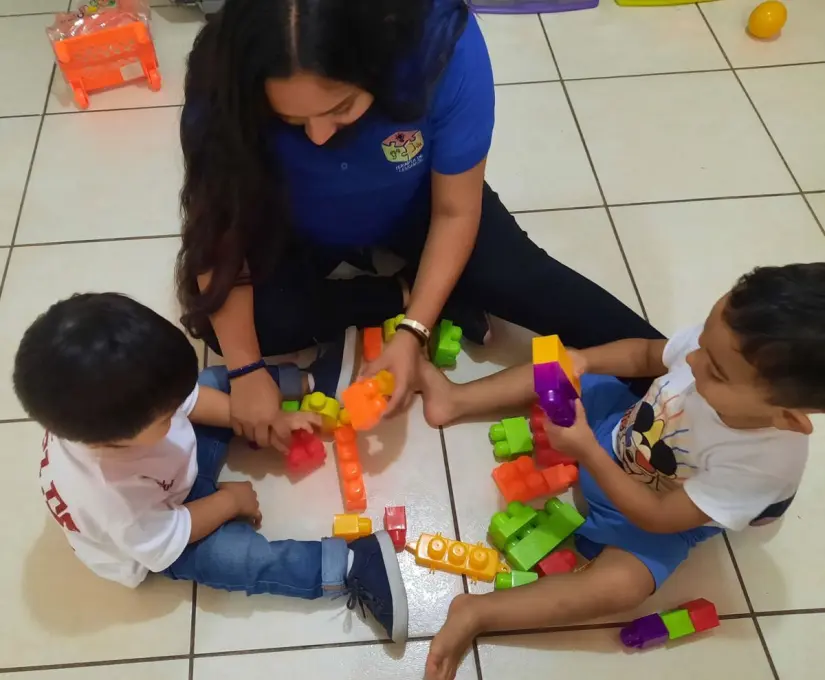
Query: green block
<point x="511" y="437"/>
<point x="290" y="406"/>
<point x="508" y="527"/>
<point x="553" y="525"/>
<point x="446" y="344"/>
<point x="514" y="579"/>
<point x="678" y="623"/>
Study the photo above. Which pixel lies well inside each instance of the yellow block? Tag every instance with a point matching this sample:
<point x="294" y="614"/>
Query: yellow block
<point x="327" y="407"/>
<point x="390" y="326"/>
<point x="350" y="527"/>
<point x="444" y="554"/>
<point x="386" y="383"/>
<point x="550" y="350"/>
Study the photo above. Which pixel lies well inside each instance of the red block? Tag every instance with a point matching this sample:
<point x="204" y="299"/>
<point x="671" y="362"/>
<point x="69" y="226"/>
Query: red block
<point x="560" y="562"/>
<point x="544" y="454"/>
<point x="702" y="614"/>
<point x="306" y="453"/>
<point x="395" y="523"/>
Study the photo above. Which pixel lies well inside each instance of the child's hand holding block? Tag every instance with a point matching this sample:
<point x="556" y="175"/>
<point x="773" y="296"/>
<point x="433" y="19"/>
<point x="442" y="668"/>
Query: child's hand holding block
<point x="555" y="380"/>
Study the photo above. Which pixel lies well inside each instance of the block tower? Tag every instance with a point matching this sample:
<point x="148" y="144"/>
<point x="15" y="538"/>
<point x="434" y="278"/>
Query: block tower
<point x="555" y="381"/>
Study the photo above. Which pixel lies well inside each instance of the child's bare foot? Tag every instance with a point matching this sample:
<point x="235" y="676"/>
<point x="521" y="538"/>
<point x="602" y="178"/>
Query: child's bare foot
<point x="452" y="641"/>
<point x="436" y="391"/>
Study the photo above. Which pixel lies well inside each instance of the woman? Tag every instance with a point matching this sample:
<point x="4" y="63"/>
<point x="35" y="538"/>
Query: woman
<point x="317" y="130"/>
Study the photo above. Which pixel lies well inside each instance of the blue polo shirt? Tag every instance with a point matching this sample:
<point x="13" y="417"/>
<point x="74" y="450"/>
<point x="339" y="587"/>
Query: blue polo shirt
<point x="356" y="193"/>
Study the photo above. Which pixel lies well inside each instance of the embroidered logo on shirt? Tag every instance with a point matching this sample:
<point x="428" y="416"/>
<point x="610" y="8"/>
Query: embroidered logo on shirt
<point x="162" y="483"/>
<point x="402" y="147"/>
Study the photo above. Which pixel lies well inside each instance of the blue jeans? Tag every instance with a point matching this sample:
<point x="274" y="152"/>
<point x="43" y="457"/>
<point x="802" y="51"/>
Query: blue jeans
<point x="236" y="556"/>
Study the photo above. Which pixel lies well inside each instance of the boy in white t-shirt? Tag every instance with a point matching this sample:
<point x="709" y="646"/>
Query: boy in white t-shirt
<point x="719" y="441"/>
<point x="134" y="484"/>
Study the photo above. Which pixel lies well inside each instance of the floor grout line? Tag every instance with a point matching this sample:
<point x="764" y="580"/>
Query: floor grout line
<point x="116" y="239"/>
<point x="192" y="630"/>
<point x="595" y="174"/>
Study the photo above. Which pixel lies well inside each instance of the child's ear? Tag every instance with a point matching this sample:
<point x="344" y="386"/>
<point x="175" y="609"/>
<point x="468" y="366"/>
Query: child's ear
<point x="793" y="421"/>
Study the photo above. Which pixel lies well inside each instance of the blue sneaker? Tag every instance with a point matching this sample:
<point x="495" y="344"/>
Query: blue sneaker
<point x="334" y="369"/>
<point x="374" y="582"/>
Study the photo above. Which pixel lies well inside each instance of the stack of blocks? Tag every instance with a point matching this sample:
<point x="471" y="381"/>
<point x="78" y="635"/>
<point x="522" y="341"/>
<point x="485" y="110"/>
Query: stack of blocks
<point x="555" y="380"/>
<point x="656" y="629"/>
<point x="520" y="480"/>
<point x="478" y="562"/>
<point x="511" y="438"/>
<point x="366" y="400"/>
<point x="349" y="470"/>
<point x="446" y="344"/>
<point x="543" y="453"/>
<point x="526" y="535"/>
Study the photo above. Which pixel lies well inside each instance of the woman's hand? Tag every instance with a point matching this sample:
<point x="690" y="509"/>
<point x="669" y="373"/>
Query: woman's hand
<point x="255" y="409"/>
<point x="400" y="357"/>
<point x="576" y="441"/>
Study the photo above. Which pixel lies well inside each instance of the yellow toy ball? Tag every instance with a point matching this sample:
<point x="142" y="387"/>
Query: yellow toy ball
<point x="766" y="20"/>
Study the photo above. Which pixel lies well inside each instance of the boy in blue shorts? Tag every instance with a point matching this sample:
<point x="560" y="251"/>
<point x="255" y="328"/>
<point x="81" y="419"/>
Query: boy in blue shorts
<point x="719" y="441"/>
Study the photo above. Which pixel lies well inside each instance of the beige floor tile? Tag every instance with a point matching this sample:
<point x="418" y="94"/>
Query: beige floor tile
<point x="55" y="611"/>
<point x="403" y="465"/>
<point x="617" y="41"/>
<point x="17" y="137"/>
<point x="173" y="32"/>
<point x="800" y="41"/>
<point x="537" y="160"/>
<point x="662" y="138"/>
<point x="791" y="101"/>
<point x="817" y="202"/>
<point x="795" y="644"/>
<point x="104" y="175"/>
<point x="684" y="256"/>
<point x="779" y="562"/>
<point x="371" y="662"/>
<point x="40" y="276"/>
<point x="11" y="7"/>
<point x="157" y="670"/>
<point x="732" y="651"/>
<point x="23" y="41"/>
<point x="518" y="48"/>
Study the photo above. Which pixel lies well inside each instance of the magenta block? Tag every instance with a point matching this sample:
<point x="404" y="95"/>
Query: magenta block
<point x="645" y="632"/>
<point x="557" y="396"/>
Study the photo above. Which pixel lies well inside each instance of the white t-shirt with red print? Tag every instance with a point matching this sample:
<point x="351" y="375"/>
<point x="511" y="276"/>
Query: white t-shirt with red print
<point x="122" y="508"/>
<point x="673" y="438"/>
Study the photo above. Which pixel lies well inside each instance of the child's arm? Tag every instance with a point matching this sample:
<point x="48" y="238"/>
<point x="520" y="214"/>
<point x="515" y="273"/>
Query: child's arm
<point x="667" y="513"/>
<point x="631" y="358"/>
<point x="231" y="500"/>
<point x="211" y="408"/>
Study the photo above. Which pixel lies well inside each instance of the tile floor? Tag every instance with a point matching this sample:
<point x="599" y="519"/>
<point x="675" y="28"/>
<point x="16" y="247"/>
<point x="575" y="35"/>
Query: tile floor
<point x="675" y="154"/>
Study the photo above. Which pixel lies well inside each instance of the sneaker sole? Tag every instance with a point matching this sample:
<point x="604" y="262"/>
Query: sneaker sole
<point x="400" y="611"/>
<point x="347" y="374"/>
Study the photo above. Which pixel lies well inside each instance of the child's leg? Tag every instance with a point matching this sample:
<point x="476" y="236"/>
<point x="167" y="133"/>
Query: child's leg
<point x="616" y="581"/>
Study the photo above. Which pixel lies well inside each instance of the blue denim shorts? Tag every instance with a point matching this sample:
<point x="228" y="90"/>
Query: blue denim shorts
<point x="606" y="400"/>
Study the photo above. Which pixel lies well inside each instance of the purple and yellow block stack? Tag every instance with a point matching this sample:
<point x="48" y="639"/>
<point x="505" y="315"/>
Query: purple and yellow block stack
<point x="555" y="381"/>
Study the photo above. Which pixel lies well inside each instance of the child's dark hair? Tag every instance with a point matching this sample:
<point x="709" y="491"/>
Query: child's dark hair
<point x="101" y="367"/>
<point x="778" y="314"/>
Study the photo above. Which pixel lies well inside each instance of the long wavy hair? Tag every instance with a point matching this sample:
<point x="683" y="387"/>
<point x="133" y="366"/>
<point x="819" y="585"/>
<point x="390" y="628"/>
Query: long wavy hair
<point x="233" y="200"/>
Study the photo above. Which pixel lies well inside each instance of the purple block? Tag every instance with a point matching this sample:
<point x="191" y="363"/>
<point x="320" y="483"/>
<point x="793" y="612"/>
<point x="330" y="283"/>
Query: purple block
<point x="557" y="396"/>
<point x="645" y="632"/>
<point x="530" y="6"/>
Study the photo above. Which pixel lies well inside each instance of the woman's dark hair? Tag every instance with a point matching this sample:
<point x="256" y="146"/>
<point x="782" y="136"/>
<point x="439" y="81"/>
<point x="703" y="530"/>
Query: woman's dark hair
<point x="233" y="197"/>
<point x="100" y="367"/>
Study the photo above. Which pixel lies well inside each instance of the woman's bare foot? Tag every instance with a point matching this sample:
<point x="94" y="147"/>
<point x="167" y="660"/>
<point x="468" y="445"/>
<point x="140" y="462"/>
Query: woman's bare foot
<point x="452" y="641"/>
<point x="437" y="393"/>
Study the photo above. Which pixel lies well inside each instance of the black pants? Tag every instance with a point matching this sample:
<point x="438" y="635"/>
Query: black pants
<point x="507" y="275"/>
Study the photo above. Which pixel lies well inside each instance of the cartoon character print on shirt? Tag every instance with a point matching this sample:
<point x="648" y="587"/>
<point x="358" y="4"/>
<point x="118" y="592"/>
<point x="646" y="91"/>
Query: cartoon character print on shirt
<point x="403" y="147"/>
<point x="651" y="440"/>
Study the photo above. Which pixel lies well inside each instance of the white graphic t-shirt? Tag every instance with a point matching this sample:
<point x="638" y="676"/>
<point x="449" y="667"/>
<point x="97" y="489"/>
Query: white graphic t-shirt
<point x="122" y="509"/>
<point x="673" y="438"/>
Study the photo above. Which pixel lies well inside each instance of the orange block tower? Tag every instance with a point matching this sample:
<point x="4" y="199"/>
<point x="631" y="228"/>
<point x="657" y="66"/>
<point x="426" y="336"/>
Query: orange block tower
<point x="353" y="492"/>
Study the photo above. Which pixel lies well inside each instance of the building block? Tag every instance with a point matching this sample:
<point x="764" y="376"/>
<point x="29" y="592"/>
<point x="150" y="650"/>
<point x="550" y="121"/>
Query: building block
<point x="526" y="535"/>
<point x="350" y="474"/>
<point x="648" y="631"/>
<point x="446" y="344"/>
<point x="306" y="452"/>
<point x="327" y="407"/>
<point x="290" y="406"/>
<point x="350" y="527"/>
<point x="543" y="453"/>
<point x="678" y="623"/>
<point x="386" y="382"/>
<point x="365" y="403"/>
<point x="373" y="343"/>
<point x="395" y="524"/>
<point x="560" y="562"/>
<point x="550" y="350"/>
<point x="514" y="579"/>
<point x="478" y="562"/>
<point x="556" y="395"/>
<point x="390" y="326"/>
<point x="521" y="480"/>
<point x="510" y="438"/>
<point x="702" y="614"/>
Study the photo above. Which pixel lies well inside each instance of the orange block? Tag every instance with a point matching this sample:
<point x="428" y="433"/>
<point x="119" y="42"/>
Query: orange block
<point x="353" y="492"/>
<point x="520" y="480"/>
<point x="365" y="403"/>
<point x="373" y="343"/>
